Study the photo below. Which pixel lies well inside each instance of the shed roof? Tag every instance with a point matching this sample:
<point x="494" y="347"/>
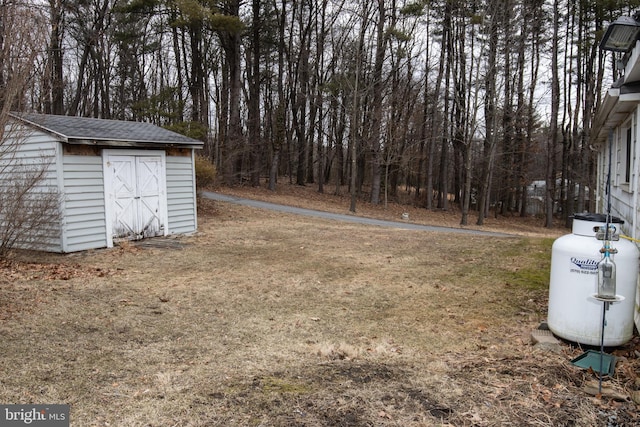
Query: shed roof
<point x="91" y="131"/>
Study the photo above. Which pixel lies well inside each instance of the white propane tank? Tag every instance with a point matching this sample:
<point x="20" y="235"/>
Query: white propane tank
<point x="636" y="316"/>
<point x="574" y="314"/>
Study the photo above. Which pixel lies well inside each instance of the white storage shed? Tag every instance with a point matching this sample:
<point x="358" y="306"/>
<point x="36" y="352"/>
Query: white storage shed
<point x="117" y="180"/>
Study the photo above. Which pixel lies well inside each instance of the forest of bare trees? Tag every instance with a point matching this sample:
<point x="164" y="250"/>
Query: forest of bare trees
<point x="438" y="103"/>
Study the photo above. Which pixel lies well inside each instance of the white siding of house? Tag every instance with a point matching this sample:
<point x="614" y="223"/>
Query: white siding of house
<point x="624" y="195"/>
<point x="84" y="222"/>
<point x="181" y="194"/>
<point x="634" y="227"/>
<point x="33" y="149"/>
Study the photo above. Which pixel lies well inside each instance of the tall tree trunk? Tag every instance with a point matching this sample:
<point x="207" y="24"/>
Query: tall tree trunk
<point x="355" y="113"/>
<point x="339" y="118"/>
<point x="489" y="112"/>
<point x="435" y="126"/>
<point x="255" y="142"/>
<point x="506" y="188"/>
<point x="553" y="125"/>
<point x="300" y="93"/>
<point x="279" y="133"/>
<point x="84" y="102"/>
<point x="376" y="114"/>
<point x="460" y="115"/>
<point x="54" y="103"/>
<point x="175" y="39"/>
<point x="196" y="82"/>
<point x="230" y="40"/>
<point x="537" y="29"/>
<point x="443" y="176"/>
<point x="593" y="69"/>
<point x="319" y="99"/>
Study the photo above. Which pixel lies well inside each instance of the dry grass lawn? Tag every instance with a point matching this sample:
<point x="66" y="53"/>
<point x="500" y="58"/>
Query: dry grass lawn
<point x="266" y="319"/>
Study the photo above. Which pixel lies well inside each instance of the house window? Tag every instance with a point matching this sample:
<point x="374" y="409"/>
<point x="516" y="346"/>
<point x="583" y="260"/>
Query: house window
<point x="628" y="152"/>
<point x="624" y="156"/>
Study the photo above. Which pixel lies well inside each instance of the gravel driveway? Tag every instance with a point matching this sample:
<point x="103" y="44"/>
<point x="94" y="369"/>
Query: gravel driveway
<point x="342" y="217"/>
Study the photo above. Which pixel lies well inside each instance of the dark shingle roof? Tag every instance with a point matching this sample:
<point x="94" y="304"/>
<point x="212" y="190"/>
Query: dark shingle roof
<point x="84" y="130"/>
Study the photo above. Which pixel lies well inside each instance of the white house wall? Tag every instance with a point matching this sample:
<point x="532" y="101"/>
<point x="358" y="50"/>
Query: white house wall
<point x="635" y="177"/>
<point x="181" y="193"/>
<point x="623" y="195"/>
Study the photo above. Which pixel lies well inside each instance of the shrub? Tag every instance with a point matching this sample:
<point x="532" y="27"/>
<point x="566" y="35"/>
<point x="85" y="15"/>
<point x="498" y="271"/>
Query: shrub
<point x="29" y="208"/>
<point x="206" y="172"/>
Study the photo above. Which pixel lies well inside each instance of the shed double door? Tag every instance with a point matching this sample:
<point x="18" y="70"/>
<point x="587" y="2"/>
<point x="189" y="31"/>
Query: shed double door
<point x="136" y="195"/>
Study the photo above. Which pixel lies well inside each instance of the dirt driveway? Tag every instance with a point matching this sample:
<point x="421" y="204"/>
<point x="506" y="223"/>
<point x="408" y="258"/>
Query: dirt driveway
<point x="270" y="319"/>
<point x="405" y="225"/>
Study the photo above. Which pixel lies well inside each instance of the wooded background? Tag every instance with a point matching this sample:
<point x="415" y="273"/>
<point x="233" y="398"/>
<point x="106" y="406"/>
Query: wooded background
<point x="429" y="102"/>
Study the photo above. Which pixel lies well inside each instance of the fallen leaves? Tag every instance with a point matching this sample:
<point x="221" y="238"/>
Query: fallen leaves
<point x="593" y="388"/>
<point x="15" y="270"/>
<point x="383" y="414"/>
<point x="25" y="297"/>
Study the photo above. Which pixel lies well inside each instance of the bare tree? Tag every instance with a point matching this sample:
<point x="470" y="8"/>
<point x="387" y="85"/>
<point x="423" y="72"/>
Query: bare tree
<point x="489" y="110"/>
<point x="53" y="84"/>
<point x="28" y="202"/>
<point x="279" y="114"/>
<point x="376" y="114"/>
<point x="339" y="89"/>
<point x="29" y="205"/>
<point x="553" y="127"/>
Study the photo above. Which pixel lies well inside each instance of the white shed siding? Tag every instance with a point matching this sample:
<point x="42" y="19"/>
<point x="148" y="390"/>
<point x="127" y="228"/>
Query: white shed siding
<point x="181" y="194"/>
<point x="32" y="150"/>
<point x="85" y="226"/>
<point x="75" y="172"/>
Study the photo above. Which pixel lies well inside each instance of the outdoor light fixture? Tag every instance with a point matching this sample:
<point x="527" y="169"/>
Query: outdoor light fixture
<point x="621" y="35"/>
